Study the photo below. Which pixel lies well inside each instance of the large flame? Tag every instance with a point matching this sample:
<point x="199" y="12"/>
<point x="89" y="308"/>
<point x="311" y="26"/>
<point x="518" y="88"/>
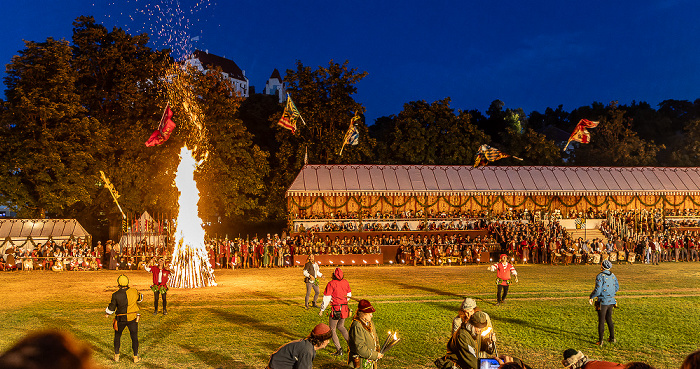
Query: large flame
<point x="190" y="261"/>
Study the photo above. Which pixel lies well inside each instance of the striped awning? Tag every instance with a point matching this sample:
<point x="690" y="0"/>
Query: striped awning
<point x="390" y="180"/>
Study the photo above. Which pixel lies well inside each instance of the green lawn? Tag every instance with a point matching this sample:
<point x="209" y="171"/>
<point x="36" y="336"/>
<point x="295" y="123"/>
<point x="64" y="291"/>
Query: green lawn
<point x="252" y="312"/>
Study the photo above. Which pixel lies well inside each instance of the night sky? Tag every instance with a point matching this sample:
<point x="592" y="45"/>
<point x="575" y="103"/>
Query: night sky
<point x="529" y="54"/>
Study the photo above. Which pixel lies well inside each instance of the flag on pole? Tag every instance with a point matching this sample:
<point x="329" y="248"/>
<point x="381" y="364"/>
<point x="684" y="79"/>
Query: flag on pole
<point x="487" y="154"/>
<point x="581" y="133"/>
<point x="352" y="136"/>
<point x="166" y="127"/>
<point x="306" y="155"/>
<point x="290" y="115"/>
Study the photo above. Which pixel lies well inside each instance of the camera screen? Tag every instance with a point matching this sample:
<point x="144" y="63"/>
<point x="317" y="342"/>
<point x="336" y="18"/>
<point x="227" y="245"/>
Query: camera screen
<point x="488" y="364"/>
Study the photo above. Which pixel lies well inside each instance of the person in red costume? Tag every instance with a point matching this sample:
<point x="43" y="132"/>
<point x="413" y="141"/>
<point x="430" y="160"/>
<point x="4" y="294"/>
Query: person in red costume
<point x="336" y="296"/>
<point x="160" y="283"/>
<point x="504" y="270"/>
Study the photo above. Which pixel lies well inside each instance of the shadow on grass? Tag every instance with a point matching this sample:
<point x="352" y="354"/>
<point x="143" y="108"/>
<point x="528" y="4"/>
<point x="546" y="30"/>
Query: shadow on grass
<point x="276" y="299"/>
<point x="102" y="345"/>
<point x="576" y="336"/>
<point x="248" y="321"/>
<point x="428" y="289"/>
<point x="164" y="328"/>
<point x="215" y="360"/>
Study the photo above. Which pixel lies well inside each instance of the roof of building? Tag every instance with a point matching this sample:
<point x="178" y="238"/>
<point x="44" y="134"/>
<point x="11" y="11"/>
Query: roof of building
<point x="226" y="65"/>
<point x="329" y="180"/>
<point x="276" y="74"/>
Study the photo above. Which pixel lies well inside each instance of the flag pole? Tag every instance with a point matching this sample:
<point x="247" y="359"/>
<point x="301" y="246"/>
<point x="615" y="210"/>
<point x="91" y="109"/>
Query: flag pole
<point x="567" y="144"/>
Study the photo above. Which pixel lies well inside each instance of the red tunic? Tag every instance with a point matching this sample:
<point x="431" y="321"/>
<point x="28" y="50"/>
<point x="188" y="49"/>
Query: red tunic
<point x="156" y="271"/>
<point x="338" y="290"/>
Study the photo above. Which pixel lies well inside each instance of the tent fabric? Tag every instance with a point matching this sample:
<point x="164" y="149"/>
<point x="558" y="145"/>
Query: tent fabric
<point x="388" y="180"/>
<point x="18" y="231"/>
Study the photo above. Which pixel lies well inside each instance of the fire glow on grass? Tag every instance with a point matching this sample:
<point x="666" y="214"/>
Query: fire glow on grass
<point x="190" y="262"/>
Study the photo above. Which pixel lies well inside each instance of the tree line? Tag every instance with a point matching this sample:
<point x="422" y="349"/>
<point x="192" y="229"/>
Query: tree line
<point x="75" y="108"/>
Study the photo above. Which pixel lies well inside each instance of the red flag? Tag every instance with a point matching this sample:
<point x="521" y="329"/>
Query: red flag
<point x="581" y="133"/>
<point x="166" y="127"/>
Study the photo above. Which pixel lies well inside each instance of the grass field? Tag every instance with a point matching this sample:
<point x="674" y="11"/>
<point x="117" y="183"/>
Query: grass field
<point x="252" y="312"/>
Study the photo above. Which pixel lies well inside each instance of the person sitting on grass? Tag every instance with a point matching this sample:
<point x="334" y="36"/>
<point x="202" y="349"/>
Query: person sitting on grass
<point x="300" y="354"/>
<point x="574" y="359"/>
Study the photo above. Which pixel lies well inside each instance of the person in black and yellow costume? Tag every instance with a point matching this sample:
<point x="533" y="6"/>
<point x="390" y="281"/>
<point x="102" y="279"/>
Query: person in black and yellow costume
<point x="125" y="304"/>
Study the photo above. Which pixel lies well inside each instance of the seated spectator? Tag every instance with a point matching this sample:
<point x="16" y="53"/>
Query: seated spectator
<point x="574" y="359"/>
<point x="49" y="349"/>
<point x="692" y="361"/>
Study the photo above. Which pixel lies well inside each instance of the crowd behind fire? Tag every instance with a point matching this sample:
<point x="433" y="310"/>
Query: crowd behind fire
<point x="647" y="236"/>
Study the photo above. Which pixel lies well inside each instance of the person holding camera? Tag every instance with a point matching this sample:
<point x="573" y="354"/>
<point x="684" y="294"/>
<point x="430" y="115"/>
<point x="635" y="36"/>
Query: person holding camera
<point x="336" y="296"/>
<point x="471" y="339"/>
<point x="606" y="286"/>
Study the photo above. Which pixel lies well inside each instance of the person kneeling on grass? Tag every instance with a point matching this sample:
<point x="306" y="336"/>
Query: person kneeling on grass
<point x="574" y="359"/>
<point x="300" y="354"/>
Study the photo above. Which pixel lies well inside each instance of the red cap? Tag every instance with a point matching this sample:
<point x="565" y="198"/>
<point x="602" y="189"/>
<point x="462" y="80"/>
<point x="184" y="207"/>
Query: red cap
<point x="338" y="273"/>
<point x="365" y="307"/>
<point x="321" y="331"/>
<point x="503" y="255"/>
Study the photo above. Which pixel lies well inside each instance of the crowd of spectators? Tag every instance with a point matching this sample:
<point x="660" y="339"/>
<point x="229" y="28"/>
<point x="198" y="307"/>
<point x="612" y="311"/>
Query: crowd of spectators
<point x="527" y="236"/>
<point x="67" y="255"/>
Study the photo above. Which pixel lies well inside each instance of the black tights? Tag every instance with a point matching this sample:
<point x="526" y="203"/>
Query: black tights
<point x="155" y="301"/>
<point x="505" y="292"/>
<point x="133" y="332"/>
<point x="605" y="316"/>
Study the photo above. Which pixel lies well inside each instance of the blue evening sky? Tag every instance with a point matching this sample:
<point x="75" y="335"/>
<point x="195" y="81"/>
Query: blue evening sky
<point x="530" y="54"/>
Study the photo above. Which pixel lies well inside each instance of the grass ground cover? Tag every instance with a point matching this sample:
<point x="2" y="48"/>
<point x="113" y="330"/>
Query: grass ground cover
<point x="252" y="312"/>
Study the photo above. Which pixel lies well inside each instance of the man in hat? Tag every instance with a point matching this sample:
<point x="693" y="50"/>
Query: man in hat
<point x="472" y="338"/>
<point x="160" y="283"/>
<point x="466" y="310"/>
<point x="606" y="287"/>
<point x="364" y="342"/>
<point x="336" y="296"/>
<point x="300" y="354"/>
<point x="504" y="270"/>
<point x="125" y="304"/>
<point x="574" y="359"/>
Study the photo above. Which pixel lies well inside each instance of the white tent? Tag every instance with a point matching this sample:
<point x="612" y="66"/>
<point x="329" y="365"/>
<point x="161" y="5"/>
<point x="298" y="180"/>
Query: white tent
<point x="26" y="233"/>
<point x="145" y="228"/>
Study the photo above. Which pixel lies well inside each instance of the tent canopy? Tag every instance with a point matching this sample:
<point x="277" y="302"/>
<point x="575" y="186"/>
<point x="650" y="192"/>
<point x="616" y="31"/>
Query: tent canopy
<point x="19" y="231"/>
<point x="353" y="180"/>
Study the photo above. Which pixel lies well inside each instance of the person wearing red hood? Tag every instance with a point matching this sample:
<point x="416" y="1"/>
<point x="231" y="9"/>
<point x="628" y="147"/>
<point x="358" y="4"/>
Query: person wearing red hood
<point x="503" y="270"/>
<point x="336" y="296"/>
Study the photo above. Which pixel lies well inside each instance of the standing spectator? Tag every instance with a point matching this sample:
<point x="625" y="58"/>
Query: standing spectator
<point x="160" y="284"/>
<point x="606" y="286"/>
<point x="336" y="296"/>
<point x="311" y="276"/>
<point x="503" y="270"/>
<point x="125" y="304"/>
<point x="363" y="342"/>
<point x="300" y="354"/>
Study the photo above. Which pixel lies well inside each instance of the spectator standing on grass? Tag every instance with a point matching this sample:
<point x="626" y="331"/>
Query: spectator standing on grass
<point x="574" y="359"/>
<point x="504" y="270"/>
<point x="606" y="286"/>
<point x="300" y="354"/>
<point x="336" y="296"/>
<point x="125" y="304"/>
<point x="311" y="276"/>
